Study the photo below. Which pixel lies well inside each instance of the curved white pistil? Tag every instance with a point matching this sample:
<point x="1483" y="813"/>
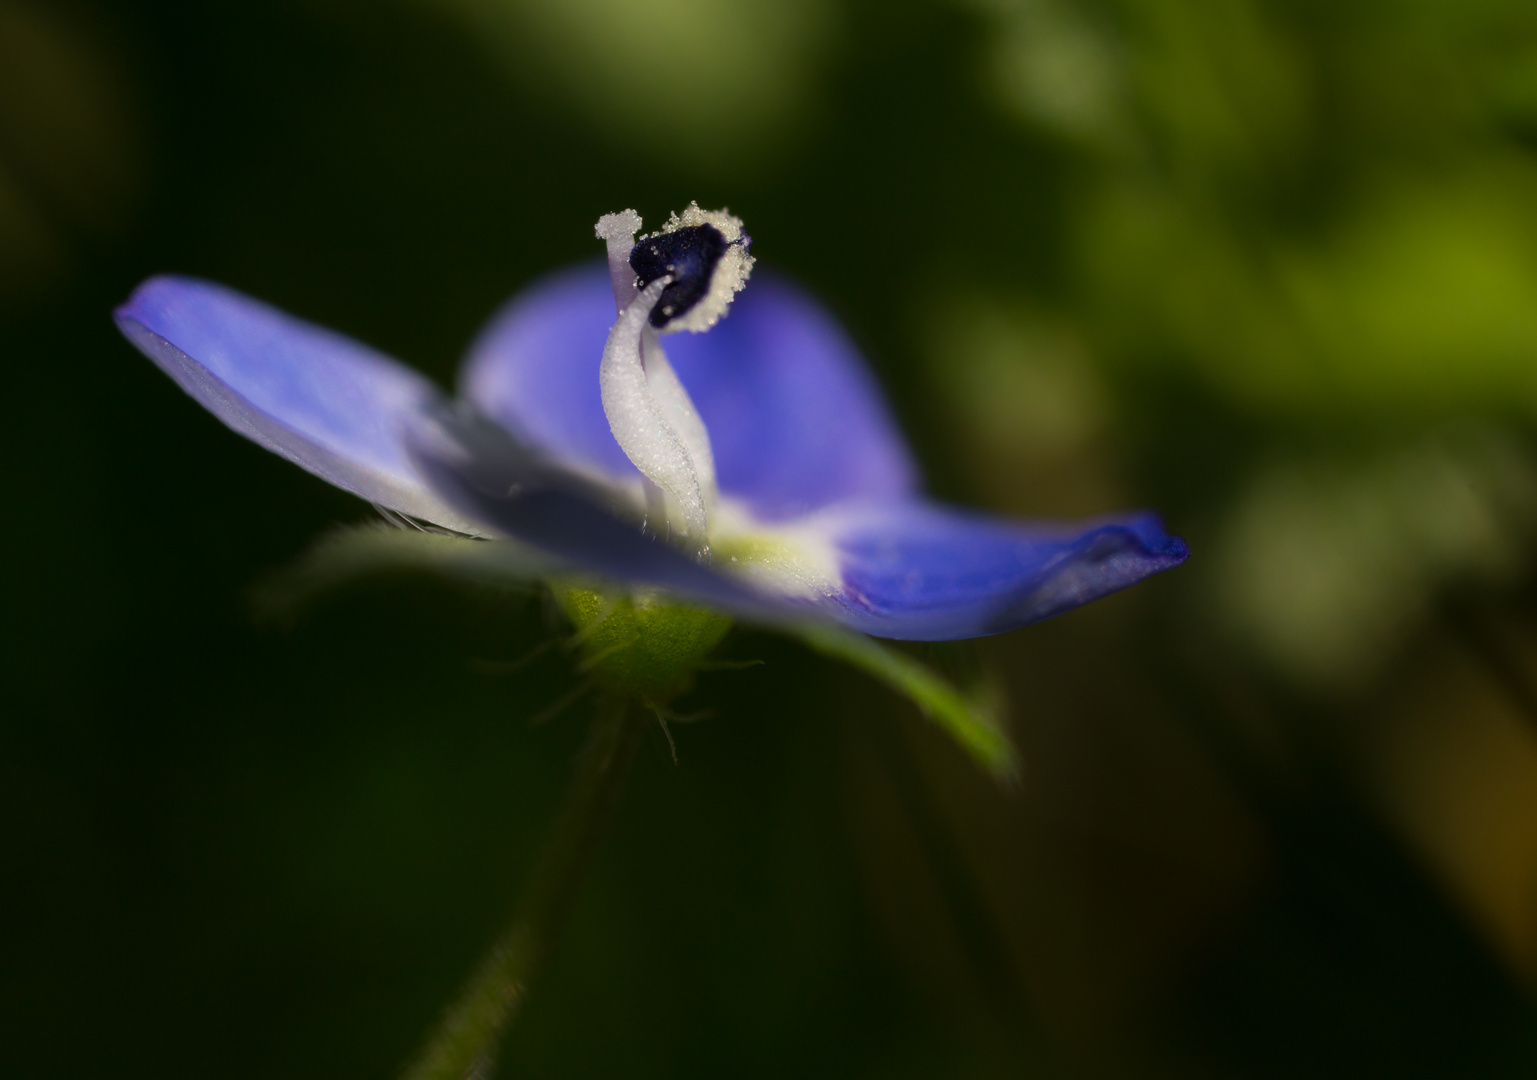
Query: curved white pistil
<point x="650" y="413"/>
<point x="678" y="409"/>
<point x="640" y="422"/>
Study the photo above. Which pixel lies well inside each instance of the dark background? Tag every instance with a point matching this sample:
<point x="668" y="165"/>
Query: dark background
<point x="1268" y="267"/>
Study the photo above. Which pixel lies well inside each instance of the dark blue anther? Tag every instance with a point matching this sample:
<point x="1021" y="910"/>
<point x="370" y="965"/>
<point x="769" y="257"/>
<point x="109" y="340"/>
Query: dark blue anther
<point x="689" y="254"/>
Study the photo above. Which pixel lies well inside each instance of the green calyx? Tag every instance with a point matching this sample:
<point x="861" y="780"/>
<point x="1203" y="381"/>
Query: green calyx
<point x="639" y="645"/>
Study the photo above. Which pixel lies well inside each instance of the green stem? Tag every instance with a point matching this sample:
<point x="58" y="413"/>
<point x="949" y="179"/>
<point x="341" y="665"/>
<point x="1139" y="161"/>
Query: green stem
<point x="465" y="1043"/>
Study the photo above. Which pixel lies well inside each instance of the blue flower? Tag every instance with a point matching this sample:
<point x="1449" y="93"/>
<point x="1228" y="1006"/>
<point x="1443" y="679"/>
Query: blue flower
<point x="765" y="479"/>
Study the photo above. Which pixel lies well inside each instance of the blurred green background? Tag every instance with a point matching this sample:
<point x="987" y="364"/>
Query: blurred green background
<point x="1269" y="267"/>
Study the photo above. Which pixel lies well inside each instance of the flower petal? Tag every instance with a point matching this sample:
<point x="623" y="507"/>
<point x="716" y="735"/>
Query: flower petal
<point x="923" y="572"/>
<point x="906" y="569"/>
<point x="796" y="421"/>
<point x="321" y="400"/>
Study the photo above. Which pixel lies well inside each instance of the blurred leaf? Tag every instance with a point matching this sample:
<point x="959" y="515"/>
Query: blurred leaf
<point x="970" y="721"/>
<point x="1326" y="567"/>
<point x="1223" y="88"/>
<point x="70" y="152"/>
<point x="1427" y="295"/>
<point x="1454" y="767"/>
<point x="1420" y="298"/>
<point x="1056" y="67"/>
<point x="349" y="554"/>
<point x="1027" y="403"/>
<point x="716" y="81"/>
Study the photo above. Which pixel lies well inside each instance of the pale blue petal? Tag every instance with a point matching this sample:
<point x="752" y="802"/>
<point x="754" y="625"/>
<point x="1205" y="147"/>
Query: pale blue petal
<point x="321" y="400"/>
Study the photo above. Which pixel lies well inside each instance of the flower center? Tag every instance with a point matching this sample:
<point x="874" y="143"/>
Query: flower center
<point x="681" y="278"/>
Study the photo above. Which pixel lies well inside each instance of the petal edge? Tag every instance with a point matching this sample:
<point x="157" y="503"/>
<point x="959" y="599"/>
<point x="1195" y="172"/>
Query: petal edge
<point x="325" y="402"/>
<point x="922" y="572"/>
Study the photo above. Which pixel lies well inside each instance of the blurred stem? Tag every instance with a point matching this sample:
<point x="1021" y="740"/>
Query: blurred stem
<point x="465" y="1043"/>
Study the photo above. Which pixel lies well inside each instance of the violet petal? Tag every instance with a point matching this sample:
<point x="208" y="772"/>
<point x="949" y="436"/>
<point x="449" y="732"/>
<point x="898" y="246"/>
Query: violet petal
<point x="924" y="572"/>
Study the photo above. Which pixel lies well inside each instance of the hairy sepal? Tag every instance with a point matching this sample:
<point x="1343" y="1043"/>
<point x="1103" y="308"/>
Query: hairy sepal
<point x="639" y="643"/>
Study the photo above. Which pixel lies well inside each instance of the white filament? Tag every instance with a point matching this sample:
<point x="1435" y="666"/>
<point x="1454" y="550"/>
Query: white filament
<point x="618" y="232"/>
<point x="641" y="424"/>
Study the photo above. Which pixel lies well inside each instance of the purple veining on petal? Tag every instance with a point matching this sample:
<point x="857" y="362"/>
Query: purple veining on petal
<point x="319" y="399"/>
<point x="925" y="572"/>
<point x="795" y="419"/>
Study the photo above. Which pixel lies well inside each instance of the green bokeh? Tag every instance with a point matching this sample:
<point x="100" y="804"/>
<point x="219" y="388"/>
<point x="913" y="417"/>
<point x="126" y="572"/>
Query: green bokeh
<point x="1268" y="267"/>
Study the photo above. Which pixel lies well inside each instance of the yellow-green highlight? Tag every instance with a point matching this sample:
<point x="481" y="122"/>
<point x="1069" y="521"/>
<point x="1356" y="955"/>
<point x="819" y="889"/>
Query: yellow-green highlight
<point x="638" y="644"/>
